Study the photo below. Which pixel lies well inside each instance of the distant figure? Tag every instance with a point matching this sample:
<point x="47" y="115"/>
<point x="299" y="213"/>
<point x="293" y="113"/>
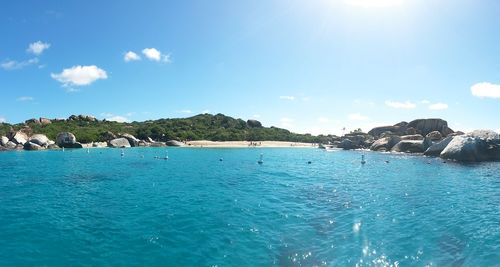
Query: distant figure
<point x="363" y="161"/>
<point x="261" y="160"/>
<point x="123" y="153"/>
<point x="221" y="159"/>
<point x="309" y="162"/>
<point x="386" y="161"/>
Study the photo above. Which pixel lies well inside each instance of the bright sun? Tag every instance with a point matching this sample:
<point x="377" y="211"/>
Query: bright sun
<point x="374" y="3"/>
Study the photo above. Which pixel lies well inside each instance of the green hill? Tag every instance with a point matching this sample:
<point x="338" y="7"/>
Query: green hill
<point x="200" y="127"/>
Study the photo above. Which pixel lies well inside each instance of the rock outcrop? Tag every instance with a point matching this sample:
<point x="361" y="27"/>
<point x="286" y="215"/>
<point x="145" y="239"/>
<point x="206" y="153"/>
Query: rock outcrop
<point x="32" y="146"/>
<point x="45" y="121"/>
<point x="425" y="126"/>
<point x="10" y="145"/>
<point x="386" y="143"/>
<point x="119" y="143"/>
<point x="480" y="145"/>
<point x="87" y="118"/>
<point x="412" y="137"/>
<point x="67" y="140"/>
<point x="39" y="139"/>
<point x="393" y="130"/>
<point x="346" y="144"/>
<point x="254" y="124"/>
<point x="18" y="137"/>
<point x="437" y="148"/>
<point x="3" y="140"/>
<point x="434" y="136"/>
<point x="409" y="146"/>
<point x="174" y="143"/>
<point x="131" y="139"/>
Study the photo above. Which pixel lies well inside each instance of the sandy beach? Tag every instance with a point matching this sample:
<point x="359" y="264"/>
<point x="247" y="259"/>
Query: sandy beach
<point x="236" y="144"/>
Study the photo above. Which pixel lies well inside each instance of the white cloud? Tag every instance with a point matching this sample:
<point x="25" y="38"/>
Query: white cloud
<point x="357" y="117"/>
<point x="425" y="102"/>
<point x="486" y="90"/>
<point x="438" y="106"/>
<point x="131" y="56"/>
<point x="3" y="120"/>
<point x="373" y="3"/>
<point x="118" y="119"/>
<point x="185" y="111"/>
<point x="25" y="98"/>
<point x="287" y="97"/>
<point x="256" y="116"/>
<point x="206" y="111"/>
<point x="79" y="75"/>
<point x="15" y="65"/>
<point x="155" y="55"/>
<point x="37" y="48"/>
<point x="403" y="105"/>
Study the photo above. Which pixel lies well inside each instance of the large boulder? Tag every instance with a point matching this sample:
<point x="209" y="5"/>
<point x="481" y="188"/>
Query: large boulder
<point x="359" y="139"/>
<point x="480" y="145"/>
<point x="409" y="146"/>
<point x="39" y="139"/>
<point x="119" y="143"/>
<point x="45" y="121"/>
<point x="412" y="137"/>
<point x="346" y="144"/>
<point x="254" y="124"/>
<point x="67" y="140"/>
<point x="18" y="137"/>
<point x="32" y="146"/>
<point x="434" y="136"/>
<point x="131" y="139"/>
<point x="10" y="145"/>
<point x="32" y="121"/>
<point x="437" y="148"/>
<point x="425" y="126"/>
<point x="395" y="130"/>
<point x="174" y="143"/>
<point x="87" y="118"/>
<point x="107" y="136"/>
<point x="3" y="140"/>
<point x="386" y="143"/>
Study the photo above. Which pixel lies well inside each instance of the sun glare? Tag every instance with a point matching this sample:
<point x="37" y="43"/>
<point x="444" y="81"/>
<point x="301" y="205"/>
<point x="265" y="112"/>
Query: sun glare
<point x="374" y="3"/>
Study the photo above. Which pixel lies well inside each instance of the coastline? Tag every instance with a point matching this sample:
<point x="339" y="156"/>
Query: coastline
<point x="243" y="144"/>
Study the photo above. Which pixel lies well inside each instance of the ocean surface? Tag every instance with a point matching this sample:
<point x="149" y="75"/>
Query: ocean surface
<point x="75" y="208"/>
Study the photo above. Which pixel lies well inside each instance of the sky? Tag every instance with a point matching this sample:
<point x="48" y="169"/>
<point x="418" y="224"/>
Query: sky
<point x="308" y="66"/>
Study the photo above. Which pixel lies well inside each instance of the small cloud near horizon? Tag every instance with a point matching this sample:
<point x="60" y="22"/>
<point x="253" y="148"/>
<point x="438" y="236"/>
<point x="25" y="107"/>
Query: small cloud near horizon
<point x="155" y="55"/>
<point x="287" y="97"/>
<point x="485" y="90"/>
<point x="25" y="98"/>
<point x="131" y="56"/>
<point x="79" y="75"/>
<point x="37" y="48"/>
<point x="3" y="120"/>
<point x="400" y="105"/>
<point x="16" y="65"/>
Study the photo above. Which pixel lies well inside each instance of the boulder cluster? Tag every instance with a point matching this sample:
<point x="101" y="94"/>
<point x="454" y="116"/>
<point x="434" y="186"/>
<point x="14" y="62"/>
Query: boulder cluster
<point x="22" y="139"/>
<point x="430" y="137"/>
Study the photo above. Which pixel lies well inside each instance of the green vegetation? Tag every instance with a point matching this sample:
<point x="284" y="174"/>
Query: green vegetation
<point x="200" y="127"/>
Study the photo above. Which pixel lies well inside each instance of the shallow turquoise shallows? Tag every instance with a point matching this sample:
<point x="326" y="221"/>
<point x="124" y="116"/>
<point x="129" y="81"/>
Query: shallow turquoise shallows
<point x="75" y="208"/>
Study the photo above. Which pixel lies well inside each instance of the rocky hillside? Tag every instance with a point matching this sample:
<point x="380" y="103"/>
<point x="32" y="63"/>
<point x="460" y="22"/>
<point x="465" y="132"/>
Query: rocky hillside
<point x="431" y="137"/>
<point x="87" y="129"/>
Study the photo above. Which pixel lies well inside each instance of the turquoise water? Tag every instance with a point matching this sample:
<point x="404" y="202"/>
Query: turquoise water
<point x="76" y="208"/>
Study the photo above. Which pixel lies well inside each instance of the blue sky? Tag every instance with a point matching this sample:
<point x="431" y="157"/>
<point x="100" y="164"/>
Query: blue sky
<point x="309" y="66"/>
